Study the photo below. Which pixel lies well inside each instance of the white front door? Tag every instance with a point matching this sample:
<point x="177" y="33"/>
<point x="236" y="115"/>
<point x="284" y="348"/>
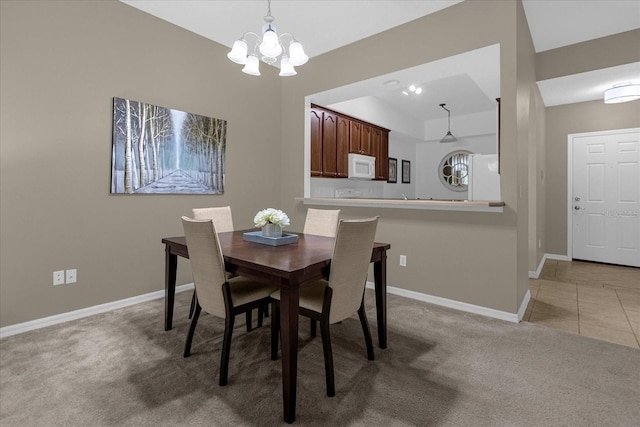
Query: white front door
<point x="605" y="208"/>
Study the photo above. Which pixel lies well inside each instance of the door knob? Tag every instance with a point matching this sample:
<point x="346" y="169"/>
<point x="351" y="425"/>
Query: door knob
<point x="577" y="199"/>
<point x="577" y="208"/>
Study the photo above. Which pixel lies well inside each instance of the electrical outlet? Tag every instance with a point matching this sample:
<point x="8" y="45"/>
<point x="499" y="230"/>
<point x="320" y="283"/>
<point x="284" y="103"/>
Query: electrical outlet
<point x="71" y="276"/>
<point x="403" y="260"/>
<point x="58" y="277"/>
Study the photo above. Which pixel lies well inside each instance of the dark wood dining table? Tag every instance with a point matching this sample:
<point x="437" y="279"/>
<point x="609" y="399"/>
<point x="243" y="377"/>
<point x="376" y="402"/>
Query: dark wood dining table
<point x="290" y="267"/>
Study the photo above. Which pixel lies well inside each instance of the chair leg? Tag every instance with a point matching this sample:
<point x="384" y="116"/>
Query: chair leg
<point x="312" y="327"/>
<point x="328" y="357"/>
<point x="226" y="349"/>
<point x="365" y="329"/>
<point x="275" y="330"/>
<point x="261" y="315"/>
<point x="192" y="328"/>
<point x="249" y="321"/>
<point x="193" y="304"/>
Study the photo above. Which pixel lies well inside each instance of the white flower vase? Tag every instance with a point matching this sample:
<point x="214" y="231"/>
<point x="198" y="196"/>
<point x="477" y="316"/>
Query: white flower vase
<point x="271" y="230"/>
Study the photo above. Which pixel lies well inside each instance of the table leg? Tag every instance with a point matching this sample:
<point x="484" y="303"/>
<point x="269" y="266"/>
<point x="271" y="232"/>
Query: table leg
<point x="170" y="267"/>
<point x="380" y="278"/>
<point x="289" y="308"/>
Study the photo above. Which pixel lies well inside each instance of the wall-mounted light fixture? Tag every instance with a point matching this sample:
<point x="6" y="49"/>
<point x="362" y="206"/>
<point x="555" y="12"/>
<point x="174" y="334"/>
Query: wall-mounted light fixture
<point x="270" y="47"/>
<point x="449" y="136"/>
<point x="622" y="92"/>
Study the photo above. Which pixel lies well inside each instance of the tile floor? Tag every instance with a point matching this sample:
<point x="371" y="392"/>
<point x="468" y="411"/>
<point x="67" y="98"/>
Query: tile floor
<point x="596" y="300"/>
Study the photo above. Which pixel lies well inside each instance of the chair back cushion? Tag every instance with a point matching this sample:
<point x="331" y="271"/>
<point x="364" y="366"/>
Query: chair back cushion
<point x="207" y="264"/>
<point x="350" y="265"/>
<point x="321" y="222"/>
<point x="221" y="217"/>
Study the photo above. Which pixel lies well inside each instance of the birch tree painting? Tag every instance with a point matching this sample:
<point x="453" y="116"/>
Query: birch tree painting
<point x="160" y="150"/>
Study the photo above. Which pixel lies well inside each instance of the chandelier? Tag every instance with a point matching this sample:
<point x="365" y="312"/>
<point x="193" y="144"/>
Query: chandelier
<point x="270" y="47"/>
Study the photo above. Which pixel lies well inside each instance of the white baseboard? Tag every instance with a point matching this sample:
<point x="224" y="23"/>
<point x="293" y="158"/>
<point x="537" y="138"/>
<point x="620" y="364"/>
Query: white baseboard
<point x="536" y="274"/>
<point x="558" y="257"/>
<point x="523" y="306"/>
<point x="462" y="306"/>
<point x="19" y="328"/>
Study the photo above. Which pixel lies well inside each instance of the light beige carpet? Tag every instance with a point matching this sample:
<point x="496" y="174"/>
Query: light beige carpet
<point x="442" y="367"/>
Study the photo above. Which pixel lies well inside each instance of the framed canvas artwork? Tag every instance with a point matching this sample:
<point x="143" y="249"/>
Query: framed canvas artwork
<point x="393" y="170"/>
<point x="406" y="172"/>
<point x="158" y="150"/>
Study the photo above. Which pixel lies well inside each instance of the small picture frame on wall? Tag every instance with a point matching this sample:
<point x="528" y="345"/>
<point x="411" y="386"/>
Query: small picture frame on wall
<point x="406" y="172"/>
<point x="393" y="171"/>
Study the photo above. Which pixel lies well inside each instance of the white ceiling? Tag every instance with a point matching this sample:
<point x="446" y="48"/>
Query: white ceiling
<point x="325" y="25"/>
<point x="321" y="26"/>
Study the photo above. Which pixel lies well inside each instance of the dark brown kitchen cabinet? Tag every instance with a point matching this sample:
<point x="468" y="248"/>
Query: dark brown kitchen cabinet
<point x="329" y="145"/>
<point x="316" y="142"/>
<point x="365" y="140"/>
<point x="360" y="139"/>
<point x="354" y="138"/>
<point x="334" y="135"/>
<point x="342" y="147"/>
<point x="380" y="144"/>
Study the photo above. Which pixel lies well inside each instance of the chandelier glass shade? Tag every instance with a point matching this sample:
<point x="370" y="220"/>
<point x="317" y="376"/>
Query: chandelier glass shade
<point x="623" y="92"/>
<point x="269" y="47"/>
<point x="449" y="136"/>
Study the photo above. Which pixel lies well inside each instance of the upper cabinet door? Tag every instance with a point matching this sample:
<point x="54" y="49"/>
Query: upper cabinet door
<point x="365" y="140"/>
<point x="354" y="137"/>
<point x="381" y="139"/>
<point x="316" y="142"/>
<point x="329" y="144"/>
<point x="342" y="147"/>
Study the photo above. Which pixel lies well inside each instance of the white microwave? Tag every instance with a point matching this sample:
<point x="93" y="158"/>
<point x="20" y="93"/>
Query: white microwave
<point x="362" y="167"/>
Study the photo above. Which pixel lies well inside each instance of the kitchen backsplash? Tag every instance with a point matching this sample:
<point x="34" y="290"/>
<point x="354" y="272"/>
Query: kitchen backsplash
<point x="355" y="188"/>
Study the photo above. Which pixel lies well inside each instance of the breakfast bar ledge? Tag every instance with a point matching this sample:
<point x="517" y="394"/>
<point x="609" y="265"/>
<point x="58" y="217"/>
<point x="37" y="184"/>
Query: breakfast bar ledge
<point x="446" y="205"/>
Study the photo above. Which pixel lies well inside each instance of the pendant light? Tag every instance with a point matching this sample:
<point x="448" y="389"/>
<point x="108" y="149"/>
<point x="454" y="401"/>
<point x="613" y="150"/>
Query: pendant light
<point x="449" y="136"/>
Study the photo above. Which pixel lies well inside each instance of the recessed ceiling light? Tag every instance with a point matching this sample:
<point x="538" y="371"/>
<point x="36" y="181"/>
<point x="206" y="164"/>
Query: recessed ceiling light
<point x="418" y="91"/>
<point x="391" y="82"/>
<point x="404" y="92"/>
<point x="412" y="88"/>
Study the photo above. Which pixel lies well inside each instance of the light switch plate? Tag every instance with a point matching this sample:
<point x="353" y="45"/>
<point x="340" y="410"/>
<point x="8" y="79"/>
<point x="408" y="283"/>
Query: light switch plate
<point x="71" y="276"/>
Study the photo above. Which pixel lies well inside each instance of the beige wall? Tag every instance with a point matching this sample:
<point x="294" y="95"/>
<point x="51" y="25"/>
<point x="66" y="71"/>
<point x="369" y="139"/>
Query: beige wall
<point x="62" y="62"/>
<point x="468" y="257"/>
<point x="614" y="50"/>
<point x="527" y="93"/>
<point x="560" y="122"/>
<point x="537" y="177"/>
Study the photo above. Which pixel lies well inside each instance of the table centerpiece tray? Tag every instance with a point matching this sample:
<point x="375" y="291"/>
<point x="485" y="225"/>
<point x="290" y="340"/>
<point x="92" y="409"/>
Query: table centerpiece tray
<point x="257" y="237"/>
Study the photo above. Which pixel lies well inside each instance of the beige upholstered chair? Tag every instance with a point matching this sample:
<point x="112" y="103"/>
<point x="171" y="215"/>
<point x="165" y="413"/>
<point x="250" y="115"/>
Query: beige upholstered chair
<point x="221" y="217"/>
<point x="223" y="221"/>
<point x="216" y="294"/>
<point x="321" y="222"/>
<point x="342" y="295"/>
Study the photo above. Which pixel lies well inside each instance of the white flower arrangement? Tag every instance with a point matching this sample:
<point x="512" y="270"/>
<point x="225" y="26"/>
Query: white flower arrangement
<point x="271" y="215"/>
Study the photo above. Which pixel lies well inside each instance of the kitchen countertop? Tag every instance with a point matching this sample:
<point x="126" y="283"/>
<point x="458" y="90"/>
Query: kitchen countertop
<point x="447" y="205"/>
